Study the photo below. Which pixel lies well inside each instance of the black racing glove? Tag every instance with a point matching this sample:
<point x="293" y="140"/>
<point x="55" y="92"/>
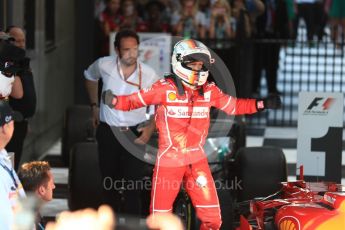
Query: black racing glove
<point x="270" y="102"/>
<point x="108" y="98"/>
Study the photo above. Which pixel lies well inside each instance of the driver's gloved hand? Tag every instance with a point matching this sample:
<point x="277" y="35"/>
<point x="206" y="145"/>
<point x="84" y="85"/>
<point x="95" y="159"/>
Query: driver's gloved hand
<point x="109" y="98"/>
<point x="271" y="102"/>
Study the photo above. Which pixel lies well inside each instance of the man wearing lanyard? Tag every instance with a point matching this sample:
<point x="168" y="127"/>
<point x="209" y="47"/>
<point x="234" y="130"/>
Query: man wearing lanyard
<point x="10" y="187"/>
<point x="120" y="135"/>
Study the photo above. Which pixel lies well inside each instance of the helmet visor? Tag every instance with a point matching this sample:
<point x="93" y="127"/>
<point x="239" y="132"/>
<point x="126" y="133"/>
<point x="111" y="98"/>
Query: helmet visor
<point x="198" y="57"/>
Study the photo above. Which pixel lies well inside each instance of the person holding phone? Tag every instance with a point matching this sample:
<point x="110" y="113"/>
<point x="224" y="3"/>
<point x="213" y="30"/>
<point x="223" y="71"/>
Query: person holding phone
<point x="220" y="26"/>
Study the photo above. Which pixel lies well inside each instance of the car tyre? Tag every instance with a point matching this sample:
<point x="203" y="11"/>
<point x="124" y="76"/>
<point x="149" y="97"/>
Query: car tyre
<point x="84" y="180"/>
<point x="77" y="128"/>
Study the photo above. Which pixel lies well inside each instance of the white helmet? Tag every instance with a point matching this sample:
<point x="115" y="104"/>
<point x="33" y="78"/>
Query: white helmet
<point x="187" y="51"/>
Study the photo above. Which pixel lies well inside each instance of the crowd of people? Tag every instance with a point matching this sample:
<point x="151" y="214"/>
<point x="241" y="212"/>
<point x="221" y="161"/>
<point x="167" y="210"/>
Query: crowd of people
<point x="216" y="22"/>
<point x="221" y="19"/>
<point x="204" y="19"/>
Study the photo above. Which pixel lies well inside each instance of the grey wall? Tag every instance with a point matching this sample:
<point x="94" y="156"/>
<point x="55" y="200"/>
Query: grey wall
<point x="53" y="70"/>
<point x="84" y="48"/>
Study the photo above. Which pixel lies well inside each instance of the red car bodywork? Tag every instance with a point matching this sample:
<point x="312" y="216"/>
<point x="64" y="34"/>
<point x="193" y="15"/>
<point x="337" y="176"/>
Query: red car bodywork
<point x="299" y="205"/>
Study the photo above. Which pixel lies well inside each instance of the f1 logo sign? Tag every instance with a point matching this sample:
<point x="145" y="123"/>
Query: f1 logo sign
<point x="319" y="105"/>
<point x="320" y="135"/>
<point x="314" y="103"/>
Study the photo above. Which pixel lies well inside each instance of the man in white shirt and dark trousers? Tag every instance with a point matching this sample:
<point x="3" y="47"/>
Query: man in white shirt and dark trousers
<point x="120" y="135"/>
<point x="10" y="187"/>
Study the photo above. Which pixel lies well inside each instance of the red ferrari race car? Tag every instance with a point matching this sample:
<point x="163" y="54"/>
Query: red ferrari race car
<point x="298" y="205"/>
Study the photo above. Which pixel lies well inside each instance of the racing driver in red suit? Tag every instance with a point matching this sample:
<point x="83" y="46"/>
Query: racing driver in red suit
<point x="182" y="118"/>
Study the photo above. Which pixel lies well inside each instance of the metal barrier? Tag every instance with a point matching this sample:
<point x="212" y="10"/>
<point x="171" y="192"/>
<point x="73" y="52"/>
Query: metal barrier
<point x="303" y="66"/>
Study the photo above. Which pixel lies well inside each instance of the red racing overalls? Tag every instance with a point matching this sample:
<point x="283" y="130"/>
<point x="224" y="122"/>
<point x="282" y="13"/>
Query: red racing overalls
<point x="182" y="123"/>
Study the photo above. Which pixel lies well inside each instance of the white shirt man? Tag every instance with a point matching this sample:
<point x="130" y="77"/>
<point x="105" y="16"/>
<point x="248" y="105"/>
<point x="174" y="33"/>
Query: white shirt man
<point x="121" y="137"/>
<point x="108" y="69"/>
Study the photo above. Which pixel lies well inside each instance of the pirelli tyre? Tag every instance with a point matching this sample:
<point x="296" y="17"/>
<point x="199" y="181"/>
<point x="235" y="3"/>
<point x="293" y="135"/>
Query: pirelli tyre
<point x="260" y="171"/>
<point x="84" y="180"/>
<point x="77" y="127"/>
<point x="183" y="207"/>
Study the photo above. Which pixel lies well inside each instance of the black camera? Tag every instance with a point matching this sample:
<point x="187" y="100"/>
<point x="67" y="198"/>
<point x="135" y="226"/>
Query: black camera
<point x="12" y="58"/>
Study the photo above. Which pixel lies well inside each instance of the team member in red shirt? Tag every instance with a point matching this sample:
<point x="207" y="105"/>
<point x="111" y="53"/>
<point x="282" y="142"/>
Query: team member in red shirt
<point x="182" y="119"/>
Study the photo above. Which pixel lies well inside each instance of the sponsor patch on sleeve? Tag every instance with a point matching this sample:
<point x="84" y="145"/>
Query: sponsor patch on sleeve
<point x="260" y="105"/>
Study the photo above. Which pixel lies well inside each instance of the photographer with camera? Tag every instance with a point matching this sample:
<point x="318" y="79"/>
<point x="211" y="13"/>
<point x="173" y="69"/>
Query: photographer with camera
<point x="26" y="105"/>
<point x="189" y="21"/>
<point x="10" y="84"/>
<point x="220" y="27"/>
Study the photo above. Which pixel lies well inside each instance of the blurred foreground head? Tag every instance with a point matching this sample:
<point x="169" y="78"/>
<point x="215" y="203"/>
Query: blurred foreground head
<point x="104" y="219"/>
<point x="86" y="219"/>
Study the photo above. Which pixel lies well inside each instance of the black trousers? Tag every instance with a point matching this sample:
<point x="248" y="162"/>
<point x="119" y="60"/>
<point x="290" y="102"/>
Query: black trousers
<point x="122" y="172"/>
<point x="307" y="12"/>
<point x="17" y="141"/>
<point x="266" y="58"/>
